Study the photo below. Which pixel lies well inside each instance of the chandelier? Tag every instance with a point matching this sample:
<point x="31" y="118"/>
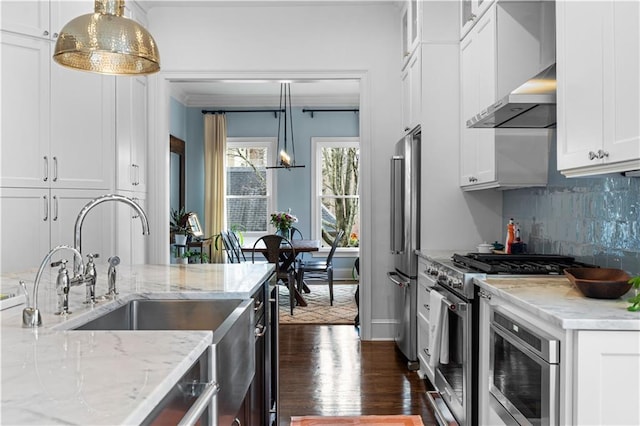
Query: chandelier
<point x="106" y="42"/>
<point x="285" y="158"/>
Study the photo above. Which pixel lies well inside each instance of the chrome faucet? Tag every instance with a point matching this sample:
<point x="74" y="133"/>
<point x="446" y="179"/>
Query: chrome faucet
<point x="77" y="230"/>
<point x="31" y="315"/>
<point x="111" y="276"/>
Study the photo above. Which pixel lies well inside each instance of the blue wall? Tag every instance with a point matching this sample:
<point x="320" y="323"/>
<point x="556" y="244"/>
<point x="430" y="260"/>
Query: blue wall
<point x="293" y="186"/>
<point x="595" y="219"/>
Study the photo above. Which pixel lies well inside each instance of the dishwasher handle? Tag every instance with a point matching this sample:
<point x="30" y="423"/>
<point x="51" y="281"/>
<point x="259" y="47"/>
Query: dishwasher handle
<point x="395" y="278"/>
<point x="201" y="404"/>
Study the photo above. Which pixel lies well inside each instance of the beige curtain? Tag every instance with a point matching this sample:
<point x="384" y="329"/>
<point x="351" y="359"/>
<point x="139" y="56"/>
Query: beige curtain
<point x="215" y="148"/>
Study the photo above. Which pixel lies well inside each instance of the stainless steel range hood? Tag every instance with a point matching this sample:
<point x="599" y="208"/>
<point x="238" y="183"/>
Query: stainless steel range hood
<point x="530" y="106"/>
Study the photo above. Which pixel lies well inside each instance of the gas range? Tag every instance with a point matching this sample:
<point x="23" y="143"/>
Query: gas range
<point x="457" y="273"/>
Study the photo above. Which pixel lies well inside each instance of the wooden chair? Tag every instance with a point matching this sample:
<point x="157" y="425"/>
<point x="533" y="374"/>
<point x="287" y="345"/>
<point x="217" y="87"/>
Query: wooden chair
<point x="273" y="254"/>
<point x="321" y="268"/>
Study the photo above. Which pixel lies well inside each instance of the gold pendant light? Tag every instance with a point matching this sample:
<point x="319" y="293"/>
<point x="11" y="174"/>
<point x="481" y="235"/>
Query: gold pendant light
<point x="106" y="42"/>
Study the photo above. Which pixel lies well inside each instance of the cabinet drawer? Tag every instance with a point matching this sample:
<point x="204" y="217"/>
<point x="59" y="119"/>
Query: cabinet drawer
<point x="423" y="349"/>
<point x="423" y="301"/>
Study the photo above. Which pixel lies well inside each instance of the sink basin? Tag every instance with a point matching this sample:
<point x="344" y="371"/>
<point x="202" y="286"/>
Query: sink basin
<point x="233" y="350"/>
<point x="144" y="314"/>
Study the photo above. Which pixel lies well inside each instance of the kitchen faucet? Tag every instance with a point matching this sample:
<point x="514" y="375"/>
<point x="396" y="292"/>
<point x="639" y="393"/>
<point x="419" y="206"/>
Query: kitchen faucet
<point x="31" y="315"/>
<point x="91" y="276"/>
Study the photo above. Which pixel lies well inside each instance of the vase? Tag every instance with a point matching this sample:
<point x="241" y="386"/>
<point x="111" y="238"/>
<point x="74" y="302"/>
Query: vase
<point x="181" y="239"/>
<point x="285" y="232"/>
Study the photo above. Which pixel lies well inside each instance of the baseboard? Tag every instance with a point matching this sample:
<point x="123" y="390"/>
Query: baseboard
<point x="383" y="329"/>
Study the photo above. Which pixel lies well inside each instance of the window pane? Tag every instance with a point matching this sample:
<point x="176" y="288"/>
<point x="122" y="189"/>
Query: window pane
<point x="246" y="173"/>
<point x="340" y="213"/>
<point x="340" y="171"/>
<point x="248" y="213"/>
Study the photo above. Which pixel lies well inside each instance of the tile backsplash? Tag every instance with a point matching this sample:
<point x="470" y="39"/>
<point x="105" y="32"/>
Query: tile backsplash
<point x="595" y="219"/>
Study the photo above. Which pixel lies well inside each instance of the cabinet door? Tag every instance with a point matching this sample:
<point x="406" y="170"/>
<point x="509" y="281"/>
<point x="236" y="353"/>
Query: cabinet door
<point x="580" y="70"/>
<point x="130" y="242"/>
<point x="469" y="101"/>
<point x="131" y="133"/>
<point x="606" y="361"/>
<point x="25" y="159"/>
<point x="622" y="106"/>
<point x="26" y="17"/>
<point x="24" y="228"/>
<point x="82" y="129"/>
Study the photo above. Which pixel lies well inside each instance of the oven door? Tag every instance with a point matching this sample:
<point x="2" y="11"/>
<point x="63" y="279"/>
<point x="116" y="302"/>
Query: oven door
<point x="453" y="379"/>
<point x="523" y="380"/>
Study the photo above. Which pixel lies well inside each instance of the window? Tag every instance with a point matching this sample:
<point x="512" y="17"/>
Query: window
<point x="335" y="200"/>
<point x="249" y="186"/>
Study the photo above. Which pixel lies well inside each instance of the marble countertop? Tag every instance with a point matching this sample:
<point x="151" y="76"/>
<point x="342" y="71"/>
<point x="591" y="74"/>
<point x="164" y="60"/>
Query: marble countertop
<point x="557" y="301"/>
<point x="52" y="376"/>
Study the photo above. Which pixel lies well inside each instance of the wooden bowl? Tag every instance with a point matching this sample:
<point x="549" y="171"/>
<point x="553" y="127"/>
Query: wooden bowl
<point x="599" y="283"/>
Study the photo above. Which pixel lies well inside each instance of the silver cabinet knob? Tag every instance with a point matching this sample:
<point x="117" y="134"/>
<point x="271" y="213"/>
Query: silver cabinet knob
<point x="602" y="154"/>
<point x="592" y="155"/>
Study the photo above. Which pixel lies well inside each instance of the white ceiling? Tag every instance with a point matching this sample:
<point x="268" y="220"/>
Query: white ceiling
<point x="243" y="93"/>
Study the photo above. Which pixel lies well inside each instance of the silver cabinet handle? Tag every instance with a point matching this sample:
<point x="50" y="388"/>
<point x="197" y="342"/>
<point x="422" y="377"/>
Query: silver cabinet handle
<point x="46" y="168"/>
<point x="602" y="154"/>
<point x="592" y="155"/>
<point x="260" y="330"/>
<point x="55" y="169"/>
<point x="135" y="216"/>
<point x="55" y="208"/>
<point x="46" y="209"/>
<point x="200" y="405"/>
<point x="55" y="35"/>
<point x="45" y="33"/>
<point x="135" y="175"/>
<point x="258" y="306"/>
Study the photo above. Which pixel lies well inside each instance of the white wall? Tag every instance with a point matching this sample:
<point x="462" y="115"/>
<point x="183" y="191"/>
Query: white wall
<point x="316" y="41"/>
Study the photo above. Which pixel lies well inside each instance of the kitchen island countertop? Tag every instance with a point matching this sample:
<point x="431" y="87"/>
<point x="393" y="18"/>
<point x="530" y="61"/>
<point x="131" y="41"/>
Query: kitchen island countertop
<point x="556" y="300"/>
<point x="52" y="376"/>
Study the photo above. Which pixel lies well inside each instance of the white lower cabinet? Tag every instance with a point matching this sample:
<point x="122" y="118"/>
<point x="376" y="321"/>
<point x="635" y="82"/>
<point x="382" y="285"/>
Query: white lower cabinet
<point x="424" y="354"/>
<point x="607" y="368"/>
<point x="130" y="242"/>
<point x="35" y="220"/>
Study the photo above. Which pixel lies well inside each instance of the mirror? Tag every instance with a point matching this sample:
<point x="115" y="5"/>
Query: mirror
<point x="177" y="173"/>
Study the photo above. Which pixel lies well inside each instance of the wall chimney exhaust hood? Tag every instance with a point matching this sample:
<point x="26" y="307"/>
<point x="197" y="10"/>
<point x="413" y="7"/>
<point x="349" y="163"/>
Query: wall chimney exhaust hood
<point x="530" y="106"/>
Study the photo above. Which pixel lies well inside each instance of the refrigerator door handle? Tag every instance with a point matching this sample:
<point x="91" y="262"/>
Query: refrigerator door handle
<point x="393" y="277"/>
<point x="397" y="202"/>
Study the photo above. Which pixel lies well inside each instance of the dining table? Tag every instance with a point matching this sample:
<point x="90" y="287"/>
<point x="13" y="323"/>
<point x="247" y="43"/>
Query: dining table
<point x="287" y="260"/>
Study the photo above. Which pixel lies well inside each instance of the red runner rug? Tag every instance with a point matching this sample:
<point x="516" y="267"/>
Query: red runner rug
<point x="357" y="420"/>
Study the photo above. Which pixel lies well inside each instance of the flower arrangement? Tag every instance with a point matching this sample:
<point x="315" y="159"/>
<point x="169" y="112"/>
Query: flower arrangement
<point x="283" y="220"/>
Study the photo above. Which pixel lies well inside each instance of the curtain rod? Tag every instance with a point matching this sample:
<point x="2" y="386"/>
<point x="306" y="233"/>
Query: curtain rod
<point x="312" y="110"/>
<point x="224" y="111"/>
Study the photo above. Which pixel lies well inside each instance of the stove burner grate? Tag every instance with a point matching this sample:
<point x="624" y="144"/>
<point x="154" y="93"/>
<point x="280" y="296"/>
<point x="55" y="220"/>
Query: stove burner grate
<point x="533" y="264"/>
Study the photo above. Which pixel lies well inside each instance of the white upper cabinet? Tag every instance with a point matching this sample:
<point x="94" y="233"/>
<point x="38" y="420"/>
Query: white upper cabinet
<point x="24" y="152"/>
<point x="131" y="125"/>
<point x="470" y="13"/>
<point x="598" y="87"/>
<point x="41" y="18"/>
<point x="504" y="48"/>
<point x="410" y="28"/>
<point x="412" y="92"/>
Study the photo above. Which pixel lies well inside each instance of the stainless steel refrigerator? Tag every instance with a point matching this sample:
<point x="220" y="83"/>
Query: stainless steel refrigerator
<point x="405" y="240"/>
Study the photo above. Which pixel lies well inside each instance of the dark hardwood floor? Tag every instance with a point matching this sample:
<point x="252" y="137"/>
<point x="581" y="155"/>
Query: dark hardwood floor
<point x="328" y="371"/>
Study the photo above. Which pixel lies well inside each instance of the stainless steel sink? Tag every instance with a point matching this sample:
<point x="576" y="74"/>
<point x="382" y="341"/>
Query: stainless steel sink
<point x="233" y="349"/>
<point x="144" y="314"/>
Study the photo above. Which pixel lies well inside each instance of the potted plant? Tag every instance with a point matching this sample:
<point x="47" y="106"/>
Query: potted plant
<point x="179" y="226"/>
<point x="182" y="256"/>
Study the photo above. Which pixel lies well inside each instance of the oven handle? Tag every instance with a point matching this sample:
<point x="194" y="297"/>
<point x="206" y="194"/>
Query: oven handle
<point x="450" y="305"/>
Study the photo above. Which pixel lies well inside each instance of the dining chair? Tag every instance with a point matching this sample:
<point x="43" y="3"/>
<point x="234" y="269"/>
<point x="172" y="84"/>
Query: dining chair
<point x="231" y="256"/>
<point x="273" y="253"/>
<point x="320" y="268"/>
<point x="296" y="234"/>
<point x="234" y="241"/>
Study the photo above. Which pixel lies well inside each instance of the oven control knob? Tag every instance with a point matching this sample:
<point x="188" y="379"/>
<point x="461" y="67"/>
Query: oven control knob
<point x="433" y="270"/>
<point x="456" y="283"/>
